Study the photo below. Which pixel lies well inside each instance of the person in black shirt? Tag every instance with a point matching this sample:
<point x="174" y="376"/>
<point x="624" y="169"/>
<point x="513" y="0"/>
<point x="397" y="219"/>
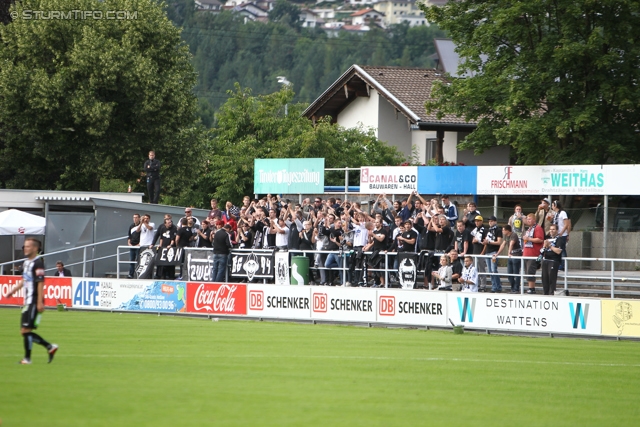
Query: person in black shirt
<point x="204" y="235"/>
<point x="514" y="249"/>
<point x="378" y="244"/>
<point x="221" y="250"/>
<point x="245" y="236"/>
<point x="493" y="241"/>
<point x="33" y="284"/>
<point x="478" y="234"/>
<point x="461" y="239"/>
<point x="408" y="238"/>
<point x="456" y="270"/>
<point x="470" y="215"/>
<point x="184" y="238"/>
<point x="134" y="242"/>
<point x="334" y="259"/>
<point x="152" y="169"/>
<point x="552" y="255"/>
<point x="308" y="243"/>
<point x="166" y="235"/>
<point x="444" y="235"/>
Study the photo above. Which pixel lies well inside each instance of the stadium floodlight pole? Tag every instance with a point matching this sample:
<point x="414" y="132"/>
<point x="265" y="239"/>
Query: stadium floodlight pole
<point x="284" y="82"/>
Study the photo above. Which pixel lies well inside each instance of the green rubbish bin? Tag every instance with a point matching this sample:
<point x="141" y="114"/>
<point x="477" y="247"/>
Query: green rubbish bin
<point x="299" y="270"/>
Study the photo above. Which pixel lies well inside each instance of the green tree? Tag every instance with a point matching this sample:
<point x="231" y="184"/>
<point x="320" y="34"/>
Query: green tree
<point x="251" y="127"/>
<point x="287" y="13"/>
<point x="85" y="99"/>
<point x="556" y="80"/>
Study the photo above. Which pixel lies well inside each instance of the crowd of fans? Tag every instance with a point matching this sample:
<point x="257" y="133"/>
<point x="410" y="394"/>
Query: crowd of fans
<point x="352" y="237"/>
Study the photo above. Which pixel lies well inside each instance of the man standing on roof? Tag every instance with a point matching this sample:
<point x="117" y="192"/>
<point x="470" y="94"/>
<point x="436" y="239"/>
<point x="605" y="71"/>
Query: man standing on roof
<point x="152" y="169"/>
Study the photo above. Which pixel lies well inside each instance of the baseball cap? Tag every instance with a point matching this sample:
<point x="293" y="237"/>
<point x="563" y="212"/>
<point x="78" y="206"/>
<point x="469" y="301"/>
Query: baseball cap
<point x="547" y="200"/>
<point x="493" y="218"/>
<point x="478" y="218"/>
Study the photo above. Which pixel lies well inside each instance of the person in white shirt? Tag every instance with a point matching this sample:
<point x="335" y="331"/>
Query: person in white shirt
<point x="469" y="277"/>
<point x="281" y="232"/>
<point x="147" y="230"/>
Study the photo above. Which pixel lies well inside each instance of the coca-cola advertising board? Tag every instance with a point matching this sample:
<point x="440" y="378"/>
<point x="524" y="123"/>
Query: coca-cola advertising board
<point x="290" y="302"/>
<point x="217" y="298"/>
<point x="57" y="290"/>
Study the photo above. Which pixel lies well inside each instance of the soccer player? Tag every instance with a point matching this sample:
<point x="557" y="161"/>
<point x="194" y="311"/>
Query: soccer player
<point x="33" y="283"/>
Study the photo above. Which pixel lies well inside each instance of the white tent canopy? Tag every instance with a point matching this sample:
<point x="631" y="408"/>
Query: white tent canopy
<point x="15" y="222"/>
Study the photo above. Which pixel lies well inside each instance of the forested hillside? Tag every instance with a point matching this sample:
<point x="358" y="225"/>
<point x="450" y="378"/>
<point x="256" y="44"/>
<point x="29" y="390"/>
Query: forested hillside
<point x="228" y="50"/>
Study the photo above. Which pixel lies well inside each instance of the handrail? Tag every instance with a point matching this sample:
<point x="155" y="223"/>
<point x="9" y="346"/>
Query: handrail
<point x="84" y="258"/>
<point x="615" y="278"/>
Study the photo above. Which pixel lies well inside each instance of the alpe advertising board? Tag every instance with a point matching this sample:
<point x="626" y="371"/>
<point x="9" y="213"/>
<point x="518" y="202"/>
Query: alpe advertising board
<point x="130" y="295"/>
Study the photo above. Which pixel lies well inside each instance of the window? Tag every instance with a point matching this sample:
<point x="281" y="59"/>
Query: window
<point x="431" y="149"/>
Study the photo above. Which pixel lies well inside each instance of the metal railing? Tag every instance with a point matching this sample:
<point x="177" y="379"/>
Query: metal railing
<point x="617" y="283"/>
<point x="88" y="256"/>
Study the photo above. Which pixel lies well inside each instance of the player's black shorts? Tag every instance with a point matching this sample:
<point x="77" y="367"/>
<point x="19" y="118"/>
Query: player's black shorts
<point x="30" y="316"/>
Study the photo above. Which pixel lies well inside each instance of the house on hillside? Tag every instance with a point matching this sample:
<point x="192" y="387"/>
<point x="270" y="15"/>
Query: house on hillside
<point x="310" y="19"/>
<point x="367" y="17"/>
<point x="250" y="11"/>
<point x="399" y="11"/>
<point x="213" y="6"/>
<point x="391" y="101"/>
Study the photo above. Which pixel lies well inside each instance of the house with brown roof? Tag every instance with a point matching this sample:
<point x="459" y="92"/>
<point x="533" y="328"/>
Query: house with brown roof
<point x="391" y="101"/>
<point x="367" y="17"/>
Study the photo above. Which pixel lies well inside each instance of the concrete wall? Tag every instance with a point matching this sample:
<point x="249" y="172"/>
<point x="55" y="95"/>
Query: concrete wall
<point x="494" y="156"/>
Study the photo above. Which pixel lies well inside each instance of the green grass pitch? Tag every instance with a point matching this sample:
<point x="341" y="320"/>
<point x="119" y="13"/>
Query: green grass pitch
<point x="144" y="370"/>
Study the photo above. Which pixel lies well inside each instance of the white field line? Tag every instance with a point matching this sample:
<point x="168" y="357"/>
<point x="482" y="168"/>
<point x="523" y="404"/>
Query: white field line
<point x="334" y="357"/>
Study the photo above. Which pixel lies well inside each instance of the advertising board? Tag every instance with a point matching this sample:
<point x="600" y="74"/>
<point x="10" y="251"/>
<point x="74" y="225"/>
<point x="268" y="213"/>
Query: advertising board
<point x="57" y="290"/>
<point x="418" y="308"/>
<point x="345" y="304"/>
<point x="447" y="179"/>
<point x="288" y="176"/>
<point x="389" y="180"/>
<point x="509" y="180"/>
<point x="621" y="318"/>
<point x="130" y="295"/>
<point x="558" y="179"/>
<point x="279" y="302"/>
<point x="217" y="298"/>
<point x="525" y="313"/>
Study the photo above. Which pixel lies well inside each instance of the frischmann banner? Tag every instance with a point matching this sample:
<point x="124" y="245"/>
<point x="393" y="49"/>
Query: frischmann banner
<point x="305" y="176"/>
